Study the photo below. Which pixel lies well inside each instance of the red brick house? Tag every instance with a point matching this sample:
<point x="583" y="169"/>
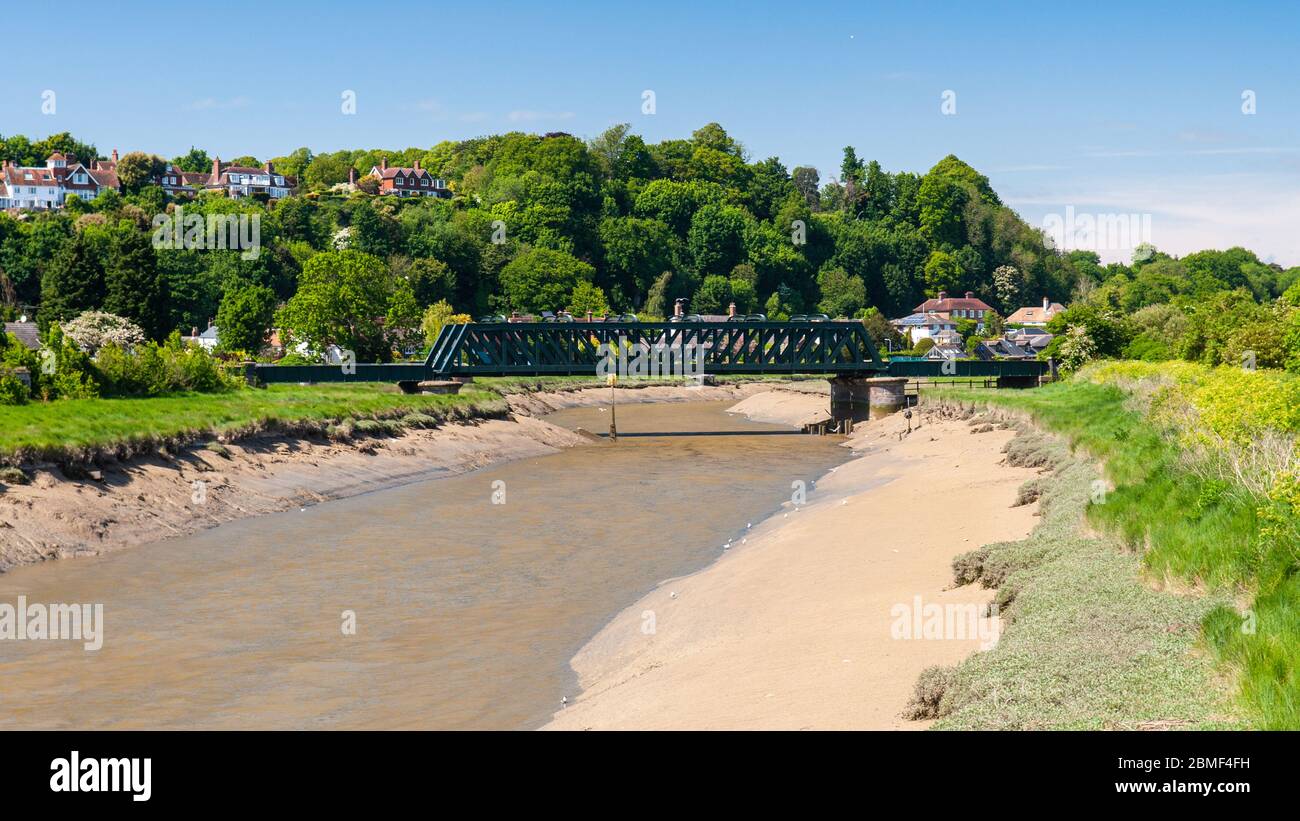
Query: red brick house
<point x="967" y="307"/>
<point x="408" y="182"/>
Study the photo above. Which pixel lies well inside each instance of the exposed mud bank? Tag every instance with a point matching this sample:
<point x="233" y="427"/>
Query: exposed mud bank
<point x="180" y="488"/>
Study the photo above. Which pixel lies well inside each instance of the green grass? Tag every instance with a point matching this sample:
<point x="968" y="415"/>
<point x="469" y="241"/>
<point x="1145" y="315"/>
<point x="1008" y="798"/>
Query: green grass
<point x="1185" y="530"/>
<point x="1087" y="644"/>
<point x="81" y="428"/>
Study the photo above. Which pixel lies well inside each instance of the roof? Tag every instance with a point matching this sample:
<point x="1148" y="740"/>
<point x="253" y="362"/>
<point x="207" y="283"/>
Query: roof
<point x="24" y="332"/>
<point x="945" y="350"/>
<point x="392" y="171"/>
<point x="25" y="175"/>
<point x="946" y="304"/>
<point x="1035" y="313"/>
<point x="1005" y="347"/>
<point x="917" y="319"/>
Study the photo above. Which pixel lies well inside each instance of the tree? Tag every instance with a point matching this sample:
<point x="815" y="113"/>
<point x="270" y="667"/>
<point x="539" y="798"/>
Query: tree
<point x="942" y="273"/>
<point x="588" y="298"/>
<point x="245" y="317"/>
<point x="93" y="330"/>
<point x="134" y="287"/>
<point x="808" y="184"/>
<point x="195" y="160"/>
<point x="402" y="323"/>
<point x="436" y="316"/>
<point x="341" y="297"/>
<point x="137" y="169"/>
<point x="842" y="295"/>
<point x="713" y="297"/>
<point x="73" y="282"/>
<point x="1007" y="283"/>
<point x="717" y="238"/>
<point x="636" y="251"/>
<point x="542" y="279"/>
<point x="373" y="233"/>
<point x="431" y="280"/>
<point x="1077" y="348"/>
<point x="879" y="328"/>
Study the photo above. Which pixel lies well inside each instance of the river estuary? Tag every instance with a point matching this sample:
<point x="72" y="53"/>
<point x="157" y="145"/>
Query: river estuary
<point x="470" y="593"/>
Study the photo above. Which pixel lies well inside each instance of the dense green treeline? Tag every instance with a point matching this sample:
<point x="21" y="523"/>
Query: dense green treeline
<point x="548" y="222"/>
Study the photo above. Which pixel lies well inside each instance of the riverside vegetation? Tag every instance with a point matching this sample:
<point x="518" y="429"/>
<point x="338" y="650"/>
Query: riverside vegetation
<point x="1195" y="558"/>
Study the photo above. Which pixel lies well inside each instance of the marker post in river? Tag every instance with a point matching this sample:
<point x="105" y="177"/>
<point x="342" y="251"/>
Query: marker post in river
<point x="613" y="425"/>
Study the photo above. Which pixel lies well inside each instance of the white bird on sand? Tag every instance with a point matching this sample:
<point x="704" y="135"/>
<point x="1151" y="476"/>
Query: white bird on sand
<point x="564" y="702"/>
<point x="672" y="595"/>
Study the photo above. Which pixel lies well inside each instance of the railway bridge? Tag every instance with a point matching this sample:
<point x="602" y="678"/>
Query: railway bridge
<point x="863" y="385"/>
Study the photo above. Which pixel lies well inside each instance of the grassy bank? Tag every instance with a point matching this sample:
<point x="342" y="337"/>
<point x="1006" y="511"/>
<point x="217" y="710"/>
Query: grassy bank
<point x="1191" y="505"/>
<point x="1087" y="644"/>
<point x="80" y="429"/>
<point x="84" y="429"/>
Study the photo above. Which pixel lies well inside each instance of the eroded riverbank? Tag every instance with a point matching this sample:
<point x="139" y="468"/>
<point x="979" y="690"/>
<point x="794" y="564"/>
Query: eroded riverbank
<point x="166" y="495"/>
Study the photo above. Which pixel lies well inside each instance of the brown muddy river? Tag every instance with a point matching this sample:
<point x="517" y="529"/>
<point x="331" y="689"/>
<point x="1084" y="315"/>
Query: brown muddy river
<point x="467" y="612"/>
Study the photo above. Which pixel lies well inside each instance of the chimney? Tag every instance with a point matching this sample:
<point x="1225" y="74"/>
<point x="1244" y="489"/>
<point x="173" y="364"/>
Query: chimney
<point x="677" y="306"/>
<point x="417" y="165"/>
<point x="352" y="176"/>
<point x="114" y="155"/>
<point x="269" y="167"/>
<point x="943" y="295"/>
<point x="383" y="163"/>
<point x="1047" y="305"/>
<point x="216" y="167"/>
<point x="731" y="309"/>
<point x="970" y="294"/>
<point x="194" y="332"/>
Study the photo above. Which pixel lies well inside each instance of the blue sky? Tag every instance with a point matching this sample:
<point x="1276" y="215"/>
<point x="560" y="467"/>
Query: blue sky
<point x="1105" y="107"/>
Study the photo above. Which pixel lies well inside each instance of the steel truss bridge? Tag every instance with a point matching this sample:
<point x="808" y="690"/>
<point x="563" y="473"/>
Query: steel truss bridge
<point x="836" y="349"/>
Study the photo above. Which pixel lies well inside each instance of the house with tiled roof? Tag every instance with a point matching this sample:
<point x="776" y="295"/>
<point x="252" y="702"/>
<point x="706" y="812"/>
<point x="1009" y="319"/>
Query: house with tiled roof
<point x="1035" y="315"/>
<point x="967" y="307"/>
<point x="35" y="188"/>
<point x="408" y="182"/>
<point x="244" y="181"/>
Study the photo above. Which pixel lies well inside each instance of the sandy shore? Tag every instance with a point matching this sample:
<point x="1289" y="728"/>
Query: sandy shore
<point x="154" y="498"/>
<point x="791" y="629"/>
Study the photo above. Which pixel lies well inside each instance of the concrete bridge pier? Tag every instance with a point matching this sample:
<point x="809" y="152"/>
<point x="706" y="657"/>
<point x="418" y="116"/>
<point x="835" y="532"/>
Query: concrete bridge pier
<point x="861" y="398"/>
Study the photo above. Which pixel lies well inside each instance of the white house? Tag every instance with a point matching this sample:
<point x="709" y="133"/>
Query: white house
<point x="920" y="326"/>
<point x="242" y="181"/>
<point x="42" y="189"/>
